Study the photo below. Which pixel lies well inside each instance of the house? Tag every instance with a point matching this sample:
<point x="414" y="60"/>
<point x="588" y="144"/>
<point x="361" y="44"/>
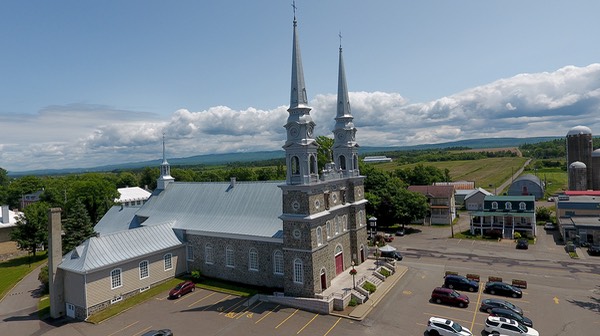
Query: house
<point x="374" y="159"/>
<point x="8" y="220"/>
<point x="31" y="198"/>
<point x="441" y="203"/>
<point x="475" y="198"/>
<point x="461" y="190"/>
<point x="527" y="184"/>
<point x="578" y="217"/>
<point x="132" y="196"/>
<point x="505" y="215"/>
<point x="294" y="236"/>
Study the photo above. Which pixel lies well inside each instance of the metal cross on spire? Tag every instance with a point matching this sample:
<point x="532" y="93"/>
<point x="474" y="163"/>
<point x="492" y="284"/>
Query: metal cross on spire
<point x="340" y="36"/>
<point x="294" y="6"/>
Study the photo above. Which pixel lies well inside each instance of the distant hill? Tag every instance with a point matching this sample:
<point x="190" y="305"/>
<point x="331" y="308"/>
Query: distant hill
<point x="218" y="159"/>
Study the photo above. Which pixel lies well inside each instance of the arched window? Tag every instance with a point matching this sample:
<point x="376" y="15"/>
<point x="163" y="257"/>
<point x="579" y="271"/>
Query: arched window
<point x="319" y="236"/>
<point x="336" y="225"/>
<point x="338" y="249"/>
<point x="295" y="165"/>
<point x="253" y="260"/>
<point x="144" y="269"/>
<point x="278" y="262"/>
<point x="229" y="260"/>
<point x="168" y="261"/>
<point x="115" y="278"/>
<point x="508" y="206"/>
<point x="342" y="162"/>
<point x="208" y="254"/>
<point x="298" y="271"/>
<point x="345" y="222"/>
<point x="328" y="228"/>
<point x="355" y="163"/>
<point x="360" y="218"/>
<point x="313" y="165"/>
<point x="494" y="205"/>
<point x="522" y="206"/>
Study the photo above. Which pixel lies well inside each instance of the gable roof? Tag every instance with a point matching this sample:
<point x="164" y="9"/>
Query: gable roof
<point x="240" y="208"/>
<point x="477" y="191"/>
<point x="433" y="191"/>
<point x="130" y="194"/>
<point x="112" y="249"/>
<point x="117" y="218"/>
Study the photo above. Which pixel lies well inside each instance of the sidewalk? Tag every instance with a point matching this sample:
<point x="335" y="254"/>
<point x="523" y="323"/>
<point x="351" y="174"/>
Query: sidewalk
<point x="24" y="297"/>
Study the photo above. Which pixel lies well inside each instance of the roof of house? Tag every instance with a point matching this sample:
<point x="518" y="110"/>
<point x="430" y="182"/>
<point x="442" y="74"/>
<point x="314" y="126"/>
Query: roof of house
<point x="130" y="194"/>
<point x="530" y="178"/>
<point x="112" y="249"/>
<point x="582" y="192"/>
<point x="117" y="218"/>
<point x="241" y="208"/>
<point x="503" y="198"/>
<point x="476" y="191"/>
<point x="433" y="191"/>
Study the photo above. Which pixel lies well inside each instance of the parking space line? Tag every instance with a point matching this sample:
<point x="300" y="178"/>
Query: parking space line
<point x="479" y="293"/>
<point x="307" y="323"/>
<point x="131" y="325"/>
<point x="223" y="299"/>
<point x="333" y="326"/>
<point x="240" y="314"/>
<point x="287" y="318"/>
<point x="446" y="317"/>
<point x="272" y="310"/>
<point x="233" y="306"/>
<point x="194" y="303"/>
<point x="143" y="331"/>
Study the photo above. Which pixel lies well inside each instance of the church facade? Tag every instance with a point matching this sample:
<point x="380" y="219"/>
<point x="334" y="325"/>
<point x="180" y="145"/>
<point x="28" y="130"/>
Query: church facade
<point x="295" y="236"/>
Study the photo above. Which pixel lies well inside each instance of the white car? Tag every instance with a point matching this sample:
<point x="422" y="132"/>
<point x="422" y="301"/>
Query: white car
<point x="500" y="325"/>
<point x="437" y="326"/>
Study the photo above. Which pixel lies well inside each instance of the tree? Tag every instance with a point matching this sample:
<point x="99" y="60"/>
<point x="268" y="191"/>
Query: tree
<point x="127" y="179"/>
<point x="32" y="227"/>
<point x="22" y="186"/>
<point x="97" y="192"/>
<point x="324" y="154"/>
<point x="78" y="227"/>
<point x="422" y="175"/>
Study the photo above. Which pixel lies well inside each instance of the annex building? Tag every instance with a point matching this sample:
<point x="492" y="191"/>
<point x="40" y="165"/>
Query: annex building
<point x="294" y="236"/>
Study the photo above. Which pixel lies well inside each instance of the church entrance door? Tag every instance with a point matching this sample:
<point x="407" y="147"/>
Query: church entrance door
<point x="323" y="279"/>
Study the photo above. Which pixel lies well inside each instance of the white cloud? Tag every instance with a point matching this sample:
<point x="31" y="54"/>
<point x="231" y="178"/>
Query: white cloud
<point x="82" y="135"/>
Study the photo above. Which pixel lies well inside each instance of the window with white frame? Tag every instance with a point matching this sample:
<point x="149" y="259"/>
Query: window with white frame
<point x="168" y="261"/>
<point x="190" y="252"/>
<point x="115" y="278"/>
<point x="229" y="262"/>
<point x="208" y="254"/>
<point x="116" y="299"/>
<point x="336" y="225"/>
<point x="319" y="236"/>
<point x="144" y="269"/>
<point x="508" y="206"/>
<point x="345" y="222"/>
<point x="278" y="262"/>
<point x="253" y="260"/>
<point x="298" y="271"/>
<point x="360" y="218"/>
<point x="494" y="205"/>
<point x="328" y="228"/>
<point x="522" y="206"/>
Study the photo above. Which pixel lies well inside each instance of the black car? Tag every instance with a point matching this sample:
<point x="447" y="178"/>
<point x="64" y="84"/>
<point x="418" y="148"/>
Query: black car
<point x="501" y="312"/>
<point x="461" y="283"/>
<point x="162" y="332"/>
<point x="522" y="244"/>
<point x="393" y="254"/>
<point x="502" y="288"/>
<point x="488" y="304"/>
<point x="594" y="250"/>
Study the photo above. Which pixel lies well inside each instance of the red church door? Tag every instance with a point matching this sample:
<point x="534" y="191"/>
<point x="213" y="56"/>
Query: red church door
<point x="339" y="263"/>
<point x="323" y="280"/>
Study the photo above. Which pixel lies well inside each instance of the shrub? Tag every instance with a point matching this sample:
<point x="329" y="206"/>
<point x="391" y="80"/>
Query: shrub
<point x="353" y="302"/>
<point x="385" y="272"/>
<point x="196" y="275"/>
<point x="44" y="278"/>
<point x="369" y="287"/>
<point x="517" y="235"/>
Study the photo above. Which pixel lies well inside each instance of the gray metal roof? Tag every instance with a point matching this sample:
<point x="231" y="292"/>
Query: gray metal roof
<point x="241" y="208"/>
<point x="117" y="218"/>
<point x="112" y="249"/>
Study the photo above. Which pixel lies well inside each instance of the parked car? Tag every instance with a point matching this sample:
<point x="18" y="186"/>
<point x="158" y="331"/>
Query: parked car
<point x="400" y="233"/>
<point x="594" y="250"/>
<point x="488" y="304"/>
<point x="461" y="283"/>
<point x="502" y="288"/>
<point x="391" y="254"/>
<point x="512" y="315"/>
<point x="522" y="244"/>
<point x="549" y="226"/>
<point x="182" y="289"/>
<point x="437" y="326"/>
<point x="162" y="332"/>
<point x="388" y="237"/>
<point x="503" y="326"/>
<point x="449" y="296"/>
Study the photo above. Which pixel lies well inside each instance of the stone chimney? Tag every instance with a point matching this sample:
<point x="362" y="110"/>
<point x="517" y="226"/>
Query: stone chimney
<point x="5" y="215"/>
<point x="57" y="297"/>
<point x="232" y="182"/>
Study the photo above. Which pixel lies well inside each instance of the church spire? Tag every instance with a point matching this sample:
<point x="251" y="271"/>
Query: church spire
<point x="165" y="170"/>
<point x="345" y="148"/>
<point x="300" y="146"/>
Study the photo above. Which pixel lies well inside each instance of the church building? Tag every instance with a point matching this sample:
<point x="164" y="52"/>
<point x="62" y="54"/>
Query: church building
<point x="294" y="236"/>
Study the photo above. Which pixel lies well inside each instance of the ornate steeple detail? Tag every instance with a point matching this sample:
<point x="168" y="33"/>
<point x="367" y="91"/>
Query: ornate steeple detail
<point x="300" y="146"/>
<point x="345" y="147"/>
<point x="165" y="170"/>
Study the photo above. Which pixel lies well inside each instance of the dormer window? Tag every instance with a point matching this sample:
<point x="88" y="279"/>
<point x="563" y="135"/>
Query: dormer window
<point x="522" y="206"/>
<point x="494" y="205"/>
<point x="508" y="206"/>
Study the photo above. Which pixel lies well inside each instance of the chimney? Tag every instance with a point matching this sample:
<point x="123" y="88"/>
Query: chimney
<point x="5" y="215"/>
<point x="232" y="183"/>
<point x="57" y="298"/>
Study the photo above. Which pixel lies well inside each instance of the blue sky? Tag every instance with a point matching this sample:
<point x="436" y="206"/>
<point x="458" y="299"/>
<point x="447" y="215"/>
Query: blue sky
<point x="87" y="83"/>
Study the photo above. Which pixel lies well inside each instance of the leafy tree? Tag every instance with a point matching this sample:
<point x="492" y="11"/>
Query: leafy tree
<point x="127" y="179"/>
<point x="97" y="193"/>
<point x="242" y="174"/>
<point x="149" y="177"/>
<point x="3" y="177"/>
<point x="78" y="227"/>
<point x="266" y="174"/>
<point x="32" y="227"/>
<point x="324" y="150"/>
<point x="22" y="186"/>
<point x="422" y="175"/>
<point x="543" y="214"/>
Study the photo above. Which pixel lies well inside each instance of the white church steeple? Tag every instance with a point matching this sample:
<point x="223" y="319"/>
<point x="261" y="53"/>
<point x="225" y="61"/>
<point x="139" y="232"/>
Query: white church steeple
<point x="165" y="171"/>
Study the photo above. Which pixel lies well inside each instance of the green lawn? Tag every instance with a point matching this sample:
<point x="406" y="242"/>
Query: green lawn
<point x="16" y="269"/>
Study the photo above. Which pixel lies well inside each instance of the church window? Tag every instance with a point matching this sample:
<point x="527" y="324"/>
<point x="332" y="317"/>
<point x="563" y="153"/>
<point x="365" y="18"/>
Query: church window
<point x="208" y="254"/>
<point x="253" y="260"/>
<point x="229" y="262"/>
<point x="168" y="261"/>
<point x="522" y="206"/>
<point x="345" y="222"/>
<point x="360" y="218"/>
<point x="190" y="253"/>
<point x="278" y="262"/>
<point x="494" y="205"/>
<point x="144" y="269"/>
<point x="298" y="271"/>
<point x="336" y="225"/>
<point x="115" y="278"/>
<point x="508" y="206"/>
<point x="328" y="228"/>
<point x="319" y="236"/>
<point x="355" y="163"/>
<point x="326" y="199"/>
<point x="295" y="165"/>
<point x="313" y="165"/>
<point x="342" y="162"/>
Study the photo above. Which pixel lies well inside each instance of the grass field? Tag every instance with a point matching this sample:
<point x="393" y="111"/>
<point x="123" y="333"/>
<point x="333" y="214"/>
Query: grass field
<point x="16" y="269"/>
